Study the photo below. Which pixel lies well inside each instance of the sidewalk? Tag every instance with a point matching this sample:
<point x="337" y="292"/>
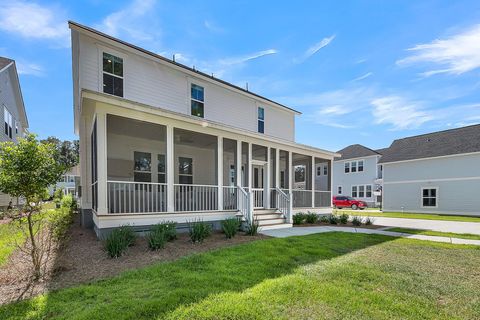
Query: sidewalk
<point x="302" y="231"/>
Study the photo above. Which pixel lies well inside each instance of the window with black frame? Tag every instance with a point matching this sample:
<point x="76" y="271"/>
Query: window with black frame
<point x="142" y="171"/>
<point x="161" y="171"/>
<point x="112" y="75"/>
<point x="185" y="170"/>
<point x="197" y="100"/>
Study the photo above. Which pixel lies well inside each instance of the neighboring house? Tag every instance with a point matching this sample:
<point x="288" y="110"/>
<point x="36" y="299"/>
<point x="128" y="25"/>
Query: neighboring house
<point x="68" y="182"/>
<point x="434" y="173"/>
<point x="13" y="112"/>
<point x="357" y="173"/>
<point x="162" y="141"/>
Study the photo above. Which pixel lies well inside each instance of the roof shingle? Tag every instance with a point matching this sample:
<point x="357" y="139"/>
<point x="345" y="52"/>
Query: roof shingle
<point x="355" y="151"/>
<point x="436" y="144"/>
<point x="4" y="62"/>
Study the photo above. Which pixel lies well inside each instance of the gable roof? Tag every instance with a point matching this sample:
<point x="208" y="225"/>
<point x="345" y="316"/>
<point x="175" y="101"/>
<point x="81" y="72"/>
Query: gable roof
<point x="355" y="151"/>
<point x="4" y="62"/>
<point x="436" y="144"/>
<point x="78" y="26"/>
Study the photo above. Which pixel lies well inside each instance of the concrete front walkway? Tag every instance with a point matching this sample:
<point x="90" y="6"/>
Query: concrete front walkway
<point x="301" y="231"/>
<point x="436" y="225"/>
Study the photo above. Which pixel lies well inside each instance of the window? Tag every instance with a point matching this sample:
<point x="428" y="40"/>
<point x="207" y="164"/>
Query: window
<point x="142" y="171"/>
<point x="112" y="75"/>
<point x="339" y="191"/>
<point x="368" y="192"/>
<point x="161" y="168"/>
<point x="361" y="191"/>
<point x="198" y="100"/>
<point x="429" y="197"/>
<point x="261" y="119"/>
<point x="16" y="127"/>
<point x="300" y="173"/>
<point x="354" y="191"/>
<point x="325" y="170"/>
<point x="319" y="171"/>
<point x="347" y="167"/>
<point x="360" y="165"/>
<point x="185" y="170"/>
<point x="353" y="166"/>
<point x="7" y="117"/>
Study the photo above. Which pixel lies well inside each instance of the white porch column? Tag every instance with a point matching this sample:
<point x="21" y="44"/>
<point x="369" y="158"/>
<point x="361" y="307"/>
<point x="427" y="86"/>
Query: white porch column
<point x="290" y="186"/>
<point x="277" y="168"/>
<point x="249" y="166"/>
<point x="313" y="181"/>
<point x="170" y="169"/>
<point x="102" y="207"/>
<point x="267" y="181"/>
<point x="220" y="171"/>
<point x="238" y="165"/>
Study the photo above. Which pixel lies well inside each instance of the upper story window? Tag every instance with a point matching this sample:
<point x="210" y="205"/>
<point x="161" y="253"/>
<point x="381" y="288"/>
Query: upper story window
<point x="360" y="165"/>
<point x="8" y="119"/>
<point x="261" y="119"/>
<point x="354" y="166"/>
<point x="347" y="167"/>
<point x="112" y="75"/>
<point x="16" y="127"/>
<point x="198" y="100"/>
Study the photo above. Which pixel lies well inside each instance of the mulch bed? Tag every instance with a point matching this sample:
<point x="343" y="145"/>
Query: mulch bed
<point x="323" y="224"/>
<point x="83" y="259"/>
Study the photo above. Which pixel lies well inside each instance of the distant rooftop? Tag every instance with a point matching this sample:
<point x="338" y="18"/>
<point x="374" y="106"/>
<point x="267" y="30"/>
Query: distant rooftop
<point x="356" y="151"/>
<point x="4" y="62"/>
<point x="436" y="144"/>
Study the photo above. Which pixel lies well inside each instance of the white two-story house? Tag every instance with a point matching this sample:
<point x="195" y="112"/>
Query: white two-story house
<point x="15" y="122"/>
<point x="163" y="141"/>
<point x="358" y="174"/>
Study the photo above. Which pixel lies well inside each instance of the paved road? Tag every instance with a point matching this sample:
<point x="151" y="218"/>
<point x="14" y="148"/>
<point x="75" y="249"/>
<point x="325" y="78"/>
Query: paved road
<point x="301" y="231"/>
<point x="437" y="225"/>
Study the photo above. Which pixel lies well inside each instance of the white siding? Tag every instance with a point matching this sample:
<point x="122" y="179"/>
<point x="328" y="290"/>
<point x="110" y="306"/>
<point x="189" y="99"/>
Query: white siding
<point x="157" y="85"/>
<point x="457" y="179"/>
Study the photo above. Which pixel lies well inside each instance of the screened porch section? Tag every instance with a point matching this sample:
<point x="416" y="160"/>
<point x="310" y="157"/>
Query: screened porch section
<point x="156" y="168"/>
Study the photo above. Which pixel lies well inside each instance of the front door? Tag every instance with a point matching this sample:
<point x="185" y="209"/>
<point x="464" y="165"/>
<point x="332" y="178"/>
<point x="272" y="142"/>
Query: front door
<point x="258" y="185"/>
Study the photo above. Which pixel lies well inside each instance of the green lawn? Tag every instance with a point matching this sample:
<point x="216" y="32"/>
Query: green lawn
<point x="426" y="216"/>
<point x="8" y="236"/>
<point x="436" y="233"/>
<point x="321" y="276"/>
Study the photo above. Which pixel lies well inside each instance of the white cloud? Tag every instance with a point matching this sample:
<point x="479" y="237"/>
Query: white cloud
<point x="246" y="58"/>
<point x="213" y="27"/>
<point x="365" y="76"/>
<point x="399" y="112"/>
<point x="314" y="49"/>
<point x="132" y="21"/>
<point x="33" y="21"/>
<point x="30" y="69"/>
<point x="457" y="54"/>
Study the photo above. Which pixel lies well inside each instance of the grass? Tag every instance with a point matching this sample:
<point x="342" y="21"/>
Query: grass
<point x="425" y="216"/>
<point x="320" y="276"/>
<point x="436" y="233"/>
<point x="8" y="236"/>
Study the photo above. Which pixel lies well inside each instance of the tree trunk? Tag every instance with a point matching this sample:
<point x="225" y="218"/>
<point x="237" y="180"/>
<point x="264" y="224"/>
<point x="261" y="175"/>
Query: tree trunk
<point x="34" y="250"/>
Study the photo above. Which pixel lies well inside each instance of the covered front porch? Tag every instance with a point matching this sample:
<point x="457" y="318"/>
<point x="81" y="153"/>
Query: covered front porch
<point x="163" y="169"/>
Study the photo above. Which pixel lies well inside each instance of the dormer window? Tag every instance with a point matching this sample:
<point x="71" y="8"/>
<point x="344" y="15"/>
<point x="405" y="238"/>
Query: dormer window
<point x="261" y="119"/>
<point x="197" y="100"/>
<point x="8" y="119"/>
<point x="112" y="75"/>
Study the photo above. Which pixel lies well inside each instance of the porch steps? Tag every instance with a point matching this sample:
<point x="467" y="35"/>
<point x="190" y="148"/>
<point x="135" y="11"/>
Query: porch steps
<point x="269" y="219"/>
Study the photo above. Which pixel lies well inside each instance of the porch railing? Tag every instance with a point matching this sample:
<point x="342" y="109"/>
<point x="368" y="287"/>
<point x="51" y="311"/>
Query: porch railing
<point x="191" y="197"/>
<point x="302" y="198"/>
<point x="258" y="198"/>
<point x="283" y="204"/>
<point x="135" y="197"/>
<point x="229" y="197"/>
<point x="323" y="199"/>
<point x="244" y="203"/>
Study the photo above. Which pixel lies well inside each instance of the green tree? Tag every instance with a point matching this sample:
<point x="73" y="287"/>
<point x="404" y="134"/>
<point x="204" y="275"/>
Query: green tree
<point x="26" y="170"/>
<point x="66" y="152"/>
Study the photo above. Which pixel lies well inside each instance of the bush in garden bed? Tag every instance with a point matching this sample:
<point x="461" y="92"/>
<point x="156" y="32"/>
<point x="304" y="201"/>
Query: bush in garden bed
<point x="324" y="219"/>
<point x="369" y="221"/>
<point x="252" y="228"/>
<point x="298" y="218"/>
<point x="311" y="217"/>
<point x="119" y="240"/>
<point x="333" y="219"/>
<point x="199" y="230"/>
<point x="230" y="227"/>
<point x="356" y="221"/>
<point x="343" y="218"/>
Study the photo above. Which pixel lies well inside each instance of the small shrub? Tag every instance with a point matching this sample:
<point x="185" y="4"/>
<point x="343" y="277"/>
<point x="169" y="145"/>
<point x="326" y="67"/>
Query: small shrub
<point x="311" y="217"/>
<point x="230" y="227"/>
<point x="324" y="219"/>
<point x="343" y="218"/>
<point x="333" y="219"/>
<point x="199" y="230"/>
<point x="157" y="237"/>
<point x="169" y="228"/>
<point x="57" y="196"/>
<point x="369" y="221"/>
<point x="298" y="218"/>
<point x="252" y="228"/>
<point x="67" y="202"/>
<point x="356" y="221"/>
<point x="119" y="240"/>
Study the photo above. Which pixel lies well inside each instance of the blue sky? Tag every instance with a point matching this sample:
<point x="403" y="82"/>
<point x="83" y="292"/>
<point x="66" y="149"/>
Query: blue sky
<point x="360" y="71"/>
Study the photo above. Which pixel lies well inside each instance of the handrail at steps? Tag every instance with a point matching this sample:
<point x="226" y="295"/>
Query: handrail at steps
<point x="284" y="204"/>
<point x="245" y="205"/>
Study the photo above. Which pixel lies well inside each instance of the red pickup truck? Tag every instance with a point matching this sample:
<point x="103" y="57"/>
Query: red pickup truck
<point x="348" y="202"/>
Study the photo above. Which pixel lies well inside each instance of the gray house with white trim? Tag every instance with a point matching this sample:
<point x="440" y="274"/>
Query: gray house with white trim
<point x="434" y="173"/>
<point x="357" y="174"/>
